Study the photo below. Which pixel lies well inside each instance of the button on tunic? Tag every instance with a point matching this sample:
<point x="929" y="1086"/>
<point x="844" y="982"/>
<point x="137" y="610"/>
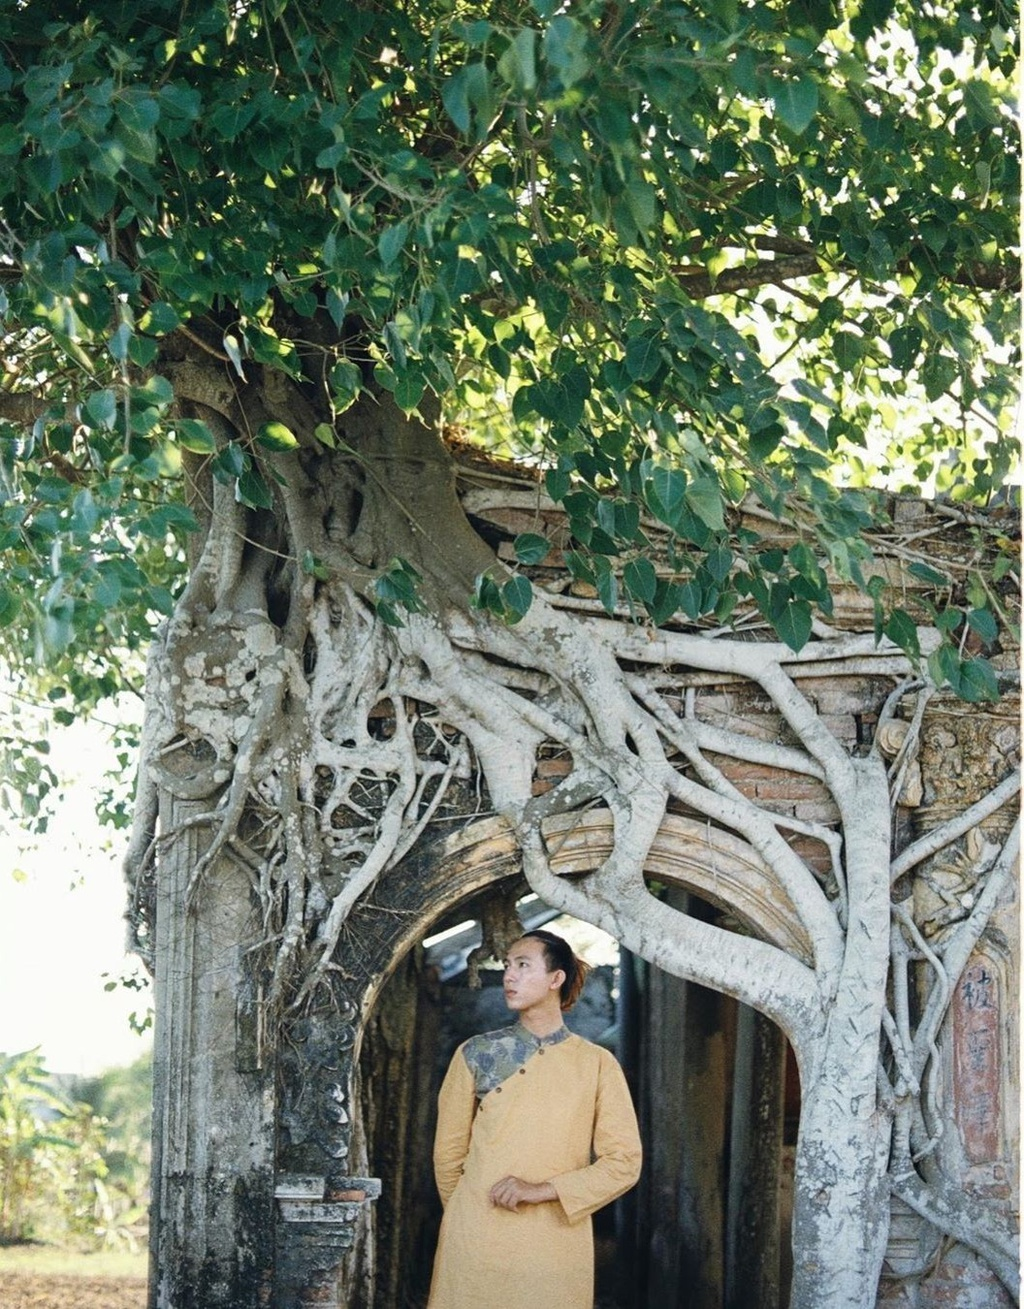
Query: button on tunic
<point x="564" y="1116"/>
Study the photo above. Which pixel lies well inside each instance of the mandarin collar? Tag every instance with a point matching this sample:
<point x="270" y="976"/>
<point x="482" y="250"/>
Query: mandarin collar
<point x="553" y="1038"/>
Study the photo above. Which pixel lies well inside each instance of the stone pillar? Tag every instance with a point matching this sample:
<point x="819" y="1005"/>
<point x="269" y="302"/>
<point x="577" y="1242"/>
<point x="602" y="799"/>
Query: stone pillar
<point x="755" y="1161"/>
<point x="211" y="1219"/>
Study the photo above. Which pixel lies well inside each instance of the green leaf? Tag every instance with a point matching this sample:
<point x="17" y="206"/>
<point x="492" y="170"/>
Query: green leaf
<point x="455" y="98"/>
<point x="120" y="342"/>
<point x="487" y="596"/>
<point x="871" y="17"/>
<point x="607" y="589"/>
<point x="766" y="440"/>
<point x="983" y="622"/>
<point x="251" y="490"/>
<point x="194" y="435"/>
<point x="142" y="350"/>
<point x="904" y="346"/>
<point x="793" y="624"/>
<point x="10" y="607"/>
<point x="948" y="620"/>
<point x="667" y="599"/>
<point x="398" y="585"/>
<point x="939" y="373"/>
<point x="796" y="102"/>
<point x="315" y="566"/>
<point x="391" y="242"/>
<point x="642" y="200"/>
<point x="275" y="436"/>
<point x="517" y="594"/>
<point x="531" y="547"/>
<point x="346" y="380"/>
<point x="719" y="562"/>
<point x="691" y="599"/>
<point x="640" y="580"/>
<point x="704" y="497"/>
<point x="643" y="358"/>
<point x="977" y="682"/>
<point x="565" y="49"/>
<point x="625" y="520"/>
<point x="159" y="319"/>
<point x="232" y="117"/>
<point x="517" y="64"/>
<point x="901" y="629"/>
<point x="409" y="391"/>
<point x="167" y="518"/>
<point x="926" y="573"/>
<point x="848" y="349"/>
<point x="85" y="512"/>
<point x="337" y="306"/>
<point x="469" y="94"/>
<point x="178" y="101"/>
<point x="579" y="566"/>
<point x="944" y="666"/>
<point x="665" y="493"/>
<point x="557" y="482"/>
<point x="101" y="407"/>
<point x="388" y="614"/>
<point x="481" y="96"/>
<point x="332" y="155"/>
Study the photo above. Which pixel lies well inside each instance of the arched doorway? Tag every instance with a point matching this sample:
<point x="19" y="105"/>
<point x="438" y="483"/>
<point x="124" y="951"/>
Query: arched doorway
<point x="709" y="1077"/>
<point x="428" y="1007"/>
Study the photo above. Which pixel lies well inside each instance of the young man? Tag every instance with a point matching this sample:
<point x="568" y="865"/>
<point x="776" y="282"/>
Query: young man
<point x="536" y="1130"/>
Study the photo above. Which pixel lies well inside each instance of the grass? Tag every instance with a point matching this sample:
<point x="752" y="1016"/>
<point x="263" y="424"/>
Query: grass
<point x="51" y="1260"/>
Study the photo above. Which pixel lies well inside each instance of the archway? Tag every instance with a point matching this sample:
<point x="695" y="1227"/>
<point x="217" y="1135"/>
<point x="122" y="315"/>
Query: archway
<point x="399" y="1022"/>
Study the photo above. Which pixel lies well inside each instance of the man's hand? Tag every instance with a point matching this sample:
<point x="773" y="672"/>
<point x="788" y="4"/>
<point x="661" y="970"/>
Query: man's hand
<point x="511" y="1192"/>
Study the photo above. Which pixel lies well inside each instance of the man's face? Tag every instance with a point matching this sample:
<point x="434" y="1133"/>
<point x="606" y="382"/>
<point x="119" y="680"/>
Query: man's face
<point x="527" y="981"/>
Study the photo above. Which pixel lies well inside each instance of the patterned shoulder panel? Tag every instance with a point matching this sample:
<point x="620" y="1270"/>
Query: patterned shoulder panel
<point x="492" y="1057"/>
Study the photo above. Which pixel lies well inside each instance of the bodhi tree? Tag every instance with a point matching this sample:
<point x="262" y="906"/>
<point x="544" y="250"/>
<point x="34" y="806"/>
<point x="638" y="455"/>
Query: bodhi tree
<point x="711" y="270"/>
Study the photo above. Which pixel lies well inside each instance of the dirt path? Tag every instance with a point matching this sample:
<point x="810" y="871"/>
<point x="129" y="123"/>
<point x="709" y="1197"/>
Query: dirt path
<point x="56" y="1291"/>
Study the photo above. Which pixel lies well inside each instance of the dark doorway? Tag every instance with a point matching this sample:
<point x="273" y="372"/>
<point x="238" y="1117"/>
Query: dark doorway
<point x="718" y="1100"/>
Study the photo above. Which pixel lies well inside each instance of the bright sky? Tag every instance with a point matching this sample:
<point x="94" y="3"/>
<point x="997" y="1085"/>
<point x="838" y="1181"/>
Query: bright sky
<point x="61" y="928"/>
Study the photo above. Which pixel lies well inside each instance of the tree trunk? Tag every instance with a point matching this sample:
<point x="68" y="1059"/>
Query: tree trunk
<point x="841" y="1195"/>
<point x="841" y="1201"/>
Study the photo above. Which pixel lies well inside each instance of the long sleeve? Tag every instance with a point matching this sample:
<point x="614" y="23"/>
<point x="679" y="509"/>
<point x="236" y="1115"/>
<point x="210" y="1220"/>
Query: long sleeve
<point x="616" y="1148"/>
<point x="456" y="1105"/>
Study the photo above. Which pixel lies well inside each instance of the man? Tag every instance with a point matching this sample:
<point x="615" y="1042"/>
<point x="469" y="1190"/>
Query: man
<point x="536" y="1130"/>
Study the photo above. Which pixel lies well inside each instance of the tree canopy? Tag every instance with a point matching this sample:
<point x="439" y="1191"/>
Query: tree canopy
<point x="713" y="272"/>
<point x="676" y="254"/>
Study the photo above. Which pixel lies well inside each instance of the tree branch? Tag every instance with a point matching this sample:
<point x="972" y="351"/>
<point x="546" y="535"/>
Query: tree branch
<point x="940" y="837"/>
<point x="699" y="285"/>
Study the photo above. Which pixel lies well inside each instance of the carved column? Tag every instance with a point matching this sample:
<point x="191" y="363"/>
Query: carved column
<point x="213" y="1125"/>
<point x="320" y="1208"/>
<point x="975" y="1087"/>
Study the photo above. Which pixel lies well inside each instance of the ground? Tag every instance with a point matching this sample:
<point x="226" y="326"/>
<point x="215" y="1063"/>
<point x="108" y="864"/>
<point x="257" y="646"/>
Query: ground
<point x="41" y="1291"/>
<point x="42" y="1277"/>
